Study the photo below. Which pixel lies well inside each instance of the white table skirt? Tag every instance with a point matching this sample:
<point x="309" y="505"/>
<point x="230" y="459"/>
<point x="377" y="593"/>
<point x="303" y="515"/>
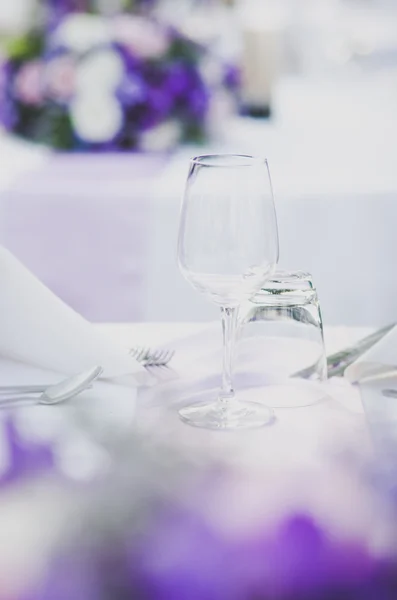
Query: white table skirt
<point x="110" y="250"/>
<point x="330" y="152"/>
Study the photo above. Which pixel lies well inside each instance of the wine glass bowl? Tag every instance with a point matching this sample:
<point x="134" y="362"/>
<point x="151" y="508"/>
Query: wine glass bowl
<point x="223" y="247"/>
<point x="227" y="249"/>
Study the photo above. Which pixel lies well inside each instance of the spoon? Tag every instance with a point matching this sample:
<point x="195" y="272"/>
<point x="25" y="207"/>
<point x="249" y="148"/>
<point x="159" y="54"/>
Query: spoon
<point x="67" y="389"/>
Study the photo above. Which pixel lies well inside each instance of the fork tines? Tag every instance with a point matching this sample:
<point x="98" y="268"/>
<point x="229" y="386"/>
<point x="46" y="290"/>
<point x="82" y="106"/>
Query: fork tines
<point x="152" y="358"/>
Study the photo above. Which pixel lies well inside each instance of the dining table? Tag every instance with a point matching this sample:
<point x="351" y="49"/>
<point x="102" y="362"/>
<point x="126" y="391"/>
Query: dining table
<point x="298" y="434"/>
<point x="309" y="458"/>
<point x="308" y="416"/>
<point x="313" y="458"/>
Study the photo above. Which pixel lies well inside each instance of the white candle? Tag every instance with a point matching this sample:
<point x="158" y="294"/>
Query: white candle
<point x="263" y="36"/>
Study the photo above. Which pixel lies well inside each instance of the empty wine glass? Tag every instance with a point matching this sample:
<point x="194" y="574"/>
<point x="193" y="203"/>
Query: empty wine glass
<point x="227" y="249"/>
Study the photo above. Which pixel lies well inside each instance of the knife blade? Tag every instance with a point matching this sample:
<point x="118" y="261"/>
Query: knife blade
<point x="339" y="361"/>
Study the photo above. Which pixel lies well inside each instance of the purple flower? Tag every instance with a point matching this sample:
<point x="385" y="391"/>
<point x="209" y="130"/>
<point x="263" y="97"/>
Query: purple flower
<point x="7" y="107"/>
<point x="178" y="79"/>
<point x="188" y="559"/>
<point x="184" y="558"/>
<point x="198" y="103"/>
<point x="75" y="577"/>
<point x="160" y="103"/>
<point x="186" y="85"/>
<point x="24" y="459"/>
<point x="132" y="90"/>
<point x="155" y="547"/>
<point x="232" y="77"/>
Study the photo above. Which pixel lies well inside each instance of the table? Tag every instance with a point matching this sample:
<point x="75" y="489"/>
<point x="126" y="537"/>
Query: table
<point x="299" y="436"/>
<point x="107" y="245"/>
<point x="165" y="333"/>
<point x="296" y="456"/>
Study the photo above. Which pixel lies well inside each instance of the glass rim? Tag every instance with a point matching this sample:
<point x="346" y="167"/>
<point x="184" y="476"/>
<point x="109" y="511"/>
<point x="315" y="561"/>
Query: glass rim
<point x="228" y="160"/>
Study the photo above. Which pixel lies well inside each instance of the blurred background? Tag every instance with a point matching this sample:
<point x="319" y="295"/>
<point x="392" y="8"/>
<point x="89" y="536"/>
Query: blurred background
<point x="103" y="102"/>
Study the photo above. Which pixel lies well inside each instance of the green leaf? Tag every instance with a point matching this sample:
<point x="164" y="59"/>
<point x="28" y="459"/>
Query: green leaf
<point x="25" y="47"/>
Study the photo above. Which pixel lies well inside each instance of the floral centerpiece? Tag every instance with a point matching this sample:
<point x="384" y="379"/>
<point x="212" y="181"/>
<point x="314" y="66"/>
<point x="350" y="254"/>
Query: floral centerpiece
<point x="119" y="81"/>
<point x="144" y="526"/>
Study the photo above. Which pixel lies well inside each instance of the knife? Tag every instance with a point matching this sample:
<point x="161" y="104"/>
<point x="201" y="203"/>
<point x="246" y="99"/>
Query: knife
<point x="338" y="362"/>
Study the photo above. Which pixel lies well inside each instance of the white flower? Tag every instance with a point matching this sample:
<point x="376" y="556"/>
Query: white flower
<point x="143" y="37"/>
<point x="100" y="72"/>
<point x="81" y="32"/>
<point x="109" y="7"/>
<point x="211" y="70"/>
<point x="16" y="16"/>
<point x="161" y="138"/>
<point x="96" y="119"/>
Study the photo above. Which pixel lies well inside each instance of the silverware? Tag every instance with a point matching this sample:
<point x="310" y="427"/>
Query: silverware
<point x="152" y="357"/>
<point x="53" y="394"/>
<point x="389" y="393"/>
<point x="23" y="389"/>
<point x="338" y="362"/>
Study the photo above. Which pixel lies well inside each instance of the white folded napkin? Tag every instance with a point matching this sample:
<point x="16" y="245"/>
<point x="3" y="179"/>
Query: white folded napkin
<point x="378" y="362"/>
<point x="38" y="329"/>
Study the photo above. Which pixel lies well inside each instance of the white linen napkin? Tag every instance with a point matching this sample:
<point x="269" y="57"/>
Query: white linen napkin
<point x="38" y="329"/>
<point x="378" y="362"/>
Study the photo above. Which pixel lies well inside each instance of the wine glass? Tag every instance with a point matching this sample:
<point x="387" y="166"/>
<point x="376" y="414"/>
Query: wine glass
<point x="227" y="249"/>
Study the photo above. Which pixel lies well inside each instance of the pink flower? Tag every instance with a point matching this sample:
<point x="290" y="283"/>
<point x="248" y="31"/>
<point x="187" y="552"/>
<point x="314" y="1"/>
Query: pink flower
<point x="61" y="78"/>
<point x="143" y="37"/>
<point x="28" y="83"/>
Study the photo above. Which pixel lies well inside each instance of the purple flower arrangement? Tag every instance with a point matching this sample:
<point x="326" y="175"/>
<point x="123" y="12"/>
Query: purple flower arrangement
<point x="117" y="82"/>
<point x="189" y="561"/>
<point x="173" y="551"/>
<point x="149" y="529"/>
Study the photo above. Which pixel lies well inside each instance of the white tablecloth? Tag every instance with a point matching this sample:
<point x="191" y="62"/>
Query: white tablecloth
<point x="297" y="455"/>
<point x="185" y="339"/>
<point x="299" y="434"/>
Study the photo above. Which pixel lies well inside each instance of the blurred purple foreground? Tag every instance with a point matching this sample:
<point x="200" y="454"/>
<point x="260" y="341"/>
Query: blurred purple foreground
<point x="80" y="224"/>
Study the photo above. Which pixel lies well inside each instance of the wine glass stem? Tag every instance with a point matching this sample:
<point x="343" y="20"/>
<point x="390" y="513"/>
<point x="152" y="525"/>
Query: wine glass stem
<point x="229" y="325"/>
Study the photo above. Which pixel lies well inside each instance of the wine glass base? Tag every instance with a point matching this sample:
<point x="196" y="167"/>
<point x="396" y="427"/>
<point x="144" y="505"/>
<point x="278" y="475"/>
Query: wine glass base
<point x="229" y="416"/>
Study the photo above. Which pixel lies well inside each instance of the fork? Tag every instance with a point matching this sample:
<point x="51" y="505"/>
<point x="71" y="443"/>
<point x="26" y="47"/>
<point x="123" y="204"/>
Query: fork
<point x="149" y="357"/>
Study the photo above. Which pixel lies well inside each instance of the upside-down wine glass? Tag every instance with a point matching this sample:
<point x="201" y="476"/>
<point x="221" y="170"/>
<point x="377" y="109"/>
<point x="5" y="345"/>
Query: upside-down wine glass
<point x="227" y="249"/>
